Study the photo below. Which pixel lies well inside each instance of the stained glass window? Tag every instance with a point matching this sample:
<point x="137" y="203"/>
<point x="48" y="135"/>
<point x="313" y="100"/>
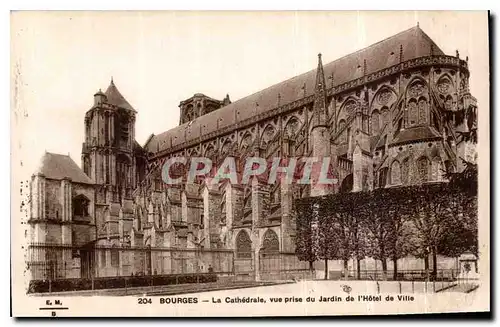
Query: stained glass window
<point x="423" y="169"/>
<point x="405" y="169"/>
<point x="412" y="112"/>
<point x="422" y="110"/>
<point x="375" y="122"/>
<point x="395" y="173"/>
<point x="243" y="245"/>
<point x="271" y="243"/>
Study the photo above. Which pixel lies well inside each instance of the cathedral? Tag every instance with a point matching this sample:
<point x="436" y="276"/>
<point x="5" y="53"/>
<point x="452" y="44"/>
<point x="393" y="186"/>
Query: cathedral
<point x="378" y="113"/>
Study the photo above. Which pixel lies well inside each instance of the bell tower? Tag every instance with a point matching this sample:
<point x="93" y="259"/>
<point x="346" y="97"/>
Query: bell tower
<point x="108" y="150"/>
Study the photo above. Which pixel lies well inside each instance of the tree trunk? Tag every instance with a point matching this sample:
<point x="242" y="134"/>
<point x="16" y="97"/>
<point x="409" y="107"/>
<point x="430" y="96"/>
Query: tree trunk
<point x="384" y="268"/>
<point x="434" y="263"/>
<point x="395" y="261"/>
<point x="326" y="269"/>
<point x="346" y="269"/>
<point x="358" y="268"/>
<point x="426" y="265"/>
<point x="311" y="265"/>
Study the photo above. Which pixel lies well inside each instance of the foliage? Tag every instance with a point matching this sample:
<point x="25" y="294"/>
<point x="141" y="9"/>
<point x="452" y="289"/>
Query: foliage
<point x="391" y="223"/>
<point x="78" y="284"/>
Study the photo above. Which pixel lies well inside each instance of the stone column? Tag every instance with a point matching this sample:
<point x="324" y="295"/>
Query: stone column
<point x="357" y="167"/>
<point x="256" y="216"/>
<point x="184" y="211"/>
<point x="287" y="223"/>
<point x="65" y="215"/>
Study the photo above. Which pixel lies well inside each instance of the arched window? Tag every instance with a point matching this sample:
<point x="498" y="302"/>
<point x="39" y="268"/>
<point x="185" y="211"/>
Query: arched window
<point x="347" y="184"/>
<point x="395" y="173"/>
<point x="405" y="170"/>
<point x="382" y="177"/>
<point x="423" y="169"/>
<point x="375" y="122"/>
<point x="267" y="135"/>
<point x="115" y="257"/>
<point x="448" y="102"/>
<point x="243" y="245"/>
<point x="412" y="112"/>
<point x="81" y="206"/>
<point x="422" y="110"/>
<point x="342" y="137"/>
<point x="270" y="244"/>
<point x="122" y="170"/>
<point x="386" y="119"/>
<point x="292" y="127"/>
<point x="436" y="169"/>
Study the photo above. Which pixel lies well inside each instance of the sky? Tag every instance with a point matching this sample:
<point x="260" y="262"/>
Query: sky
<point x="157" y="59"/>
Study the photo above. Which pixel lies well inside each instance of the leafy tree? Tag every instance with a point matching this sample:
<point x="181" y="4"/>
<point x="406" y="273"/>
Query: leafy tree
<point x="328" y="233"/>
<point x="398" y="211"/>
<point x="304" y="238"/>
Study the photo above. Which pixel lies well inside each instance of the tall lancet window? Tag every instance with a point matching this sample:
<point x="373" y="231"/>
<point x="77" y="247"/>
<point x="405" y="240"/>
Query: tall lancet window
<point x="386" y="117"/>
<point x="395" y="173"/>
<point x="412" y="112"/>
<point x="375" y="122"/>
<point x="343" y="135"/>
<point x="423" y="169"/>
<point x="422" y="110"/>
<point x="405" y="170"/>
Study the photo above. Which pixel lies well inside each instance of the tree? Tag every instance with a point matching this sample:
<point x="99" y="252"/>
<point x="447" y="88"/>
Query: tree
<point x="378" y="229"/>
<point x="304" y="239"/>
<point x="430" y="220"/>
<point x="398" y="211"/>
<point x="328" y="233"/>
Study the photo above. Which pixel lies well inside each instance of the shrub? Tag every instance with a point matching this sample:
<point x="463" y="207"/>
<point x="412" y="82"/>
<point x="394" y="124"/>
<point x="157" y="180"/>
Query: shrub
<point x="78" y="284"/>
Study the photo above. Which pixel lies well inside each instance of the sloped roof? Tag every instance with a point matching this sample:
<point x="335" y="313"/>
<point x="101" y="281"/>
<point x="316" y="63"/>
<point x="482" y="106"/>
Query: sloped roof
<point x="59" y="166"/>
<point x="415" y="134"/>
<point x="414" y="42"/>
<point x="114" y="97"/>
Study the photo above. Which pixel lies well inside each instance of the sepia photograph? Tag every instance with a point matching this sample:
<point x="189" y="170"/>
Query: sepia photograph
<point x="232" y="163"/>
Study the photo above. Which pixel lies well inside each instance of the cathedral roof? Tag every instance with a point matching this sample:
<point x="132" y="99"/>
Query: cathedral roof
<point x="59" y="166"/>
<point x="418" y="133"/>
<point x="413" y="42"/>
<point x="114" y="97"/>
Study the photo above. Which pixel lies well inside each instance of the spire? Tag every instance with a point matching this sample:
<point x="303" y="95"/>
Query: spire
<point x="114" y="97"/>
<point x="320" y="94"/>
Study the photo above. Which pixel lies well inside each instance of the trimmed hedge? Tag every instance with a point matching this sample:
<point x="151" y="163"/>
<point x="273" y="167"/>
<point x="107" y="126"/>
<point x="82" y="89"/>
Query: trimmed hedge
<point x="78" y="284"/>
